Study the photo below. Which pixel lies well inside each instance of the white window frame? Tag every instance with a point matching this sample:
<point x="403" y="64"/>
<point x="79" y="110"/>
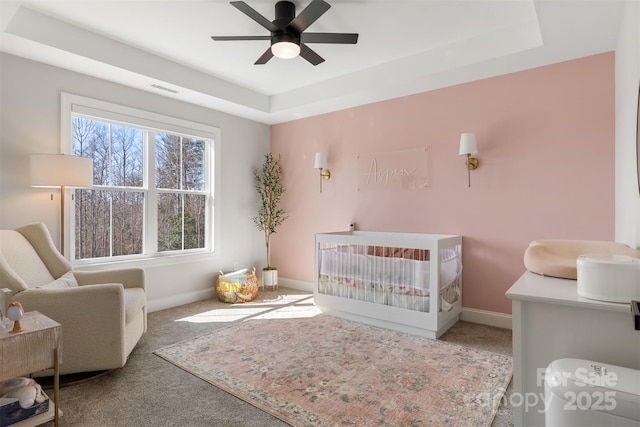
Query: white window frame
<point x="101" y="110"/>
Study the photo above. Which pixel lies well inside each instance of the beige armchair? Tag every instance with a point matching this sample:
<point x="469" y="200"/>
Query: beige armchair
<point x="103" y="314"/>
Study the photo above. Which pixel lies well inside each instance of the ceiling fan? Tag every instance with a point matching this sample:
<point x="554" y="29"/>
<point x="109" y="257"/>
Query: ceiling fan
<point x="288" y="38"/>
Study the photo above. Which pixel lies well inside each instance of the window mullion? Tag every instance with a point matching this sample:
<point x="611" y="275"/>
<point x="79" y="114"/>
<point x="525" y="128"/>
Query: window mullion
<point x="182" y="201"/>
<point x="151" y="201"/>
<point x="210" y="174"/>
<point x="110" y="182"/>
<point x="182" y="187"/>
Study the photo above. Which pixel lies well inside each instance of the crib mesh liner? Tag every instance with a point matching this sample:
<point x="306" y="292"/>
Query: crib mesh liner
<point x="399" y="278"/>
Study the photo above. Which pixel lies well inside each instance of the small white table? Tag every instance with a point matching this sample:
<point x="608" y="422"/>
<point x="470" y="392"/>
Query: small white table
<point x="550" y="321"/>
<point x="36" y="348"/>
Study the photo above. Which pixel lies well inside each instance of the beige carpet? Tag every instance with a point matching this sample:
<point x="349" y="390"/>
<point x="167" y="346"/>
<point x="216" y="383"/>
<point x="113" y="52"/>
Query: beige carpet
<point x="149" y="392"/>
<point x="311" y="369"/>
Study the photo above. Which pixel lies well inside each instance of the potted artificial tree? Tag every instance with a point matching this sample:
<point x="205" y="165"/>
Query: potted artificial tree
<point x="268" y="184"/>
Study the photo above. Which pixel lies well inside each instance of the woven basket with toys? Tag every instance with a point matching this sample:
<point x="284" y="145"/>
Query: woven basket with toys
<point x="238" y="286"/>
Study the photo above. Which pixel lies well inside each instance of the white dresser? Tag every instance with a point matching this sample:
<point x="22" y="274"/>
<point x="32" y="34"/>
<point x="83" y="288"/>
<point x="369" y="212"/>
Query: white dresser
<point x="550" y="321"/>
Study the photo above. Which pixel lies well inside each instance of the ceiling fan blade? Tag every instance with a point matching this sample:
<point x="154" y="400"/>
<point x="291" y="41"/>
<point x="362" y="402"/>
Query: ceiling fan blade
<point x="309" y="15"/>
<point x="253" y="14"/>
<point x="307" y="53"/>
<point x="235" y="38"/>
<point x="340" y="38"/>
<point x="266" y="56"/>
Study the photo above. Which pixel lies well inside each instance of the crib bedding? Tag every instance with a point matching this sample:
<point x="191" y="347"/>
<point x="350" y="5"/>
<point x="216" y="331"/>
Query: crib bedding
<point x="392" y="276"/>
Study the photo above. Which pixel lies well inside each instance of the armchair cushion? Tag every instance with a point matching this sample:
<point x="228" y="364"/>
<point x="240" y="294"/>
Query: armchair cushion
<point x="67" y="280"/>
<point x="25" y="264"/>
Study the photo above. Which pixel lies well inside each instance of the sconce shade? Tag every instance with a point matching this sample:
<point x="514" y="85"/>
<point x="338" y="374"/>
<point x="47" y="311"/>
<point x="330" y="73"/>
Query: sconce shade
<point x="58" y="170"/>
<point x="320" y="161"/>
<point x="468" y="144"/>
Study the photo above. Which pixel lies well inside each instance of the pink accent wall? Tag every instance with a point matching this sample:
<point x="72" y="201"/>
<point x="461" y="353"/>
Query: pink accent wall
<point x="546" y="151"/>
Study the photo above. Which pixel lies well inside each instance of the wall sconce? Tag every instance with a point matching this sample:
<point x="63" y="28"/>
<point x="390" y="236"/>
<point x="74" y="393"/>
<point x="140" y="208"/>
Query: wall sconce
<point x="61" y="171"/>
<point x="468" y="147"/>
<point x="321" y="163"/>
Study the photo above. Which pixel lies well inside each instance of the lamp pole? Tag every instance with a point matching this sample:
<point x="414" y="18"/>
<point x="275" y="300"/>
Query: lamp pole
<point x="62" y="191"/>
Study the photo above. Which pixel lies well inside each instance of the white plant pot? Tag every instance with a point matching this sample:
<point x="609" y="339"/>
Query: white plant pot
<point x="270" y="279"/>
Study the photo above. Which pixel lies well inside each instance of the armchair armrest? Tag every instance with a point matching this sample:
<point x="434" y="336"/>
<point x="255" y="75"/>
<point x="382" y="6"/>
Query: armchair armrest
<point x="104" y="302"/>
<point x="93" y="323"/>
<point x="129" y="277"/>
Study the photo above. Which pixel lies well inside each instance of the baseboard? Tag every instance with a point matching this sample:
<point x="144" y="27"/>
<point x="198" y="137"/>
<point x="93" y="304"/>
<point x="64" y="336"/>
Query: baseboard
<point x="295" y="284"/>
<point x="180" y="299"/>
<point x="483" y="317"/>
<point x="203" y="294"/>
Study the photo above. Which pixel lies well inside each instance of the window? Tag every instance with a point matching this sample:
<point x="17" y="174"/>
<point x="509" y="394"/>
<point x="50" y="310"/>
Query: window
<point x="153" y="182"/>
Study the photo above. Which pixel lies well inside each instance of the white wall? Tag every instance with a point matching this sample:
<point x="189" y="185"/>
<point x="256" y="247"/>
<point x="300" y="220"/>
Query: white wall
<point x="627" y="80"/>
<point x="30" y="123"/>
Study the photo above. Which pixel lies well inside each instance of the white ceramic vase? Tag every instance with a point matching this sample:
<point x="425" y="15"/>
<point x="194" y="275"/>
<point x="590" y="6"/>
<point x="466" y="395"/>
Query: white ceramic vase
<point x="270" y="278"/>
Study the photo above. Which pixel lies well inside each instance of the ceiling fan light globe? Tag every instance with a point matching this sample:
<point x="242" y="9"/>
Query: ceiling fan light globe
<point x="285" y="50"/>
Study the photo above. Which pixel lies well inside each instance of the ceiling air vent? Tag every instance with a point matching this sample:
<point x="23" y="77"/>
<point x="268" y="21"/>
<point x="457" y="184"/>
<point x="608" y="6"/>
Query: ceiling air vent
<point x="166" y="89"/>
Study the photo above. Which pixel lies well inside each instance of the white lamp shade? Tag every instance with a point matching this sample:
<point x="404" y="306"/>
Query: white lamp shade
<point x="14" y="312"/>
<point x="56" y="170"/>
<point x="320" y="161"/>
<point x="285" y="50"/>
<point x="468" y="144"/>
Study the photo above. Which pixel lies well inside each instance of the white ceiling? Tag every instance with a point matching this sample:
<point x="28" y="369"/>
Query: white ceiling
<point x="404" y="47"/>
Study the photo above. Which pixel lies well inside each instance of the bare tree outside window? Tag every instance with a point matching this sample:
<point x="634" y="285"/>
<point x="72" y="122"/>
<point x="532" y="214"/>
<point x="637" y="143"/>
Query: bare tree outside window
<point x="110" y="218"/>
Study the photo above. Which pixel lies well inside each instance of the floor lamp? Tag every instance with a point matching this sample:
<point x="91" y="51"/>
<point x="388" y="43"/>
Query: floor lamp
<point x="61" y="171"/>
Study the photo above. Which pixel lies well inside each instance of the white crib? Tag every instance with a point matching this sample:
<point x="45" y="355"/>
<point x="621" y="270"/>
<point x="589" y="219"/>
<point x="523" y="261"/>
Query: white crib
<point x="388" y="280"/>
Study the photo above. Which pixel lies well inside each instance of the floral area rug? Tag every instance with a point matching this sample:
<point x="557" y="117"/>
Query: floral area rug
<point x="326" y="371"/>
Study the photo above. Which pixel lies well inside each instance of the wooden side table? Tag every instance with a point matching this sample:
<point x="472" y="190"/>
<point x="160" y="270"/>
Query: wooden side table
<point x="36" y="348"/>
